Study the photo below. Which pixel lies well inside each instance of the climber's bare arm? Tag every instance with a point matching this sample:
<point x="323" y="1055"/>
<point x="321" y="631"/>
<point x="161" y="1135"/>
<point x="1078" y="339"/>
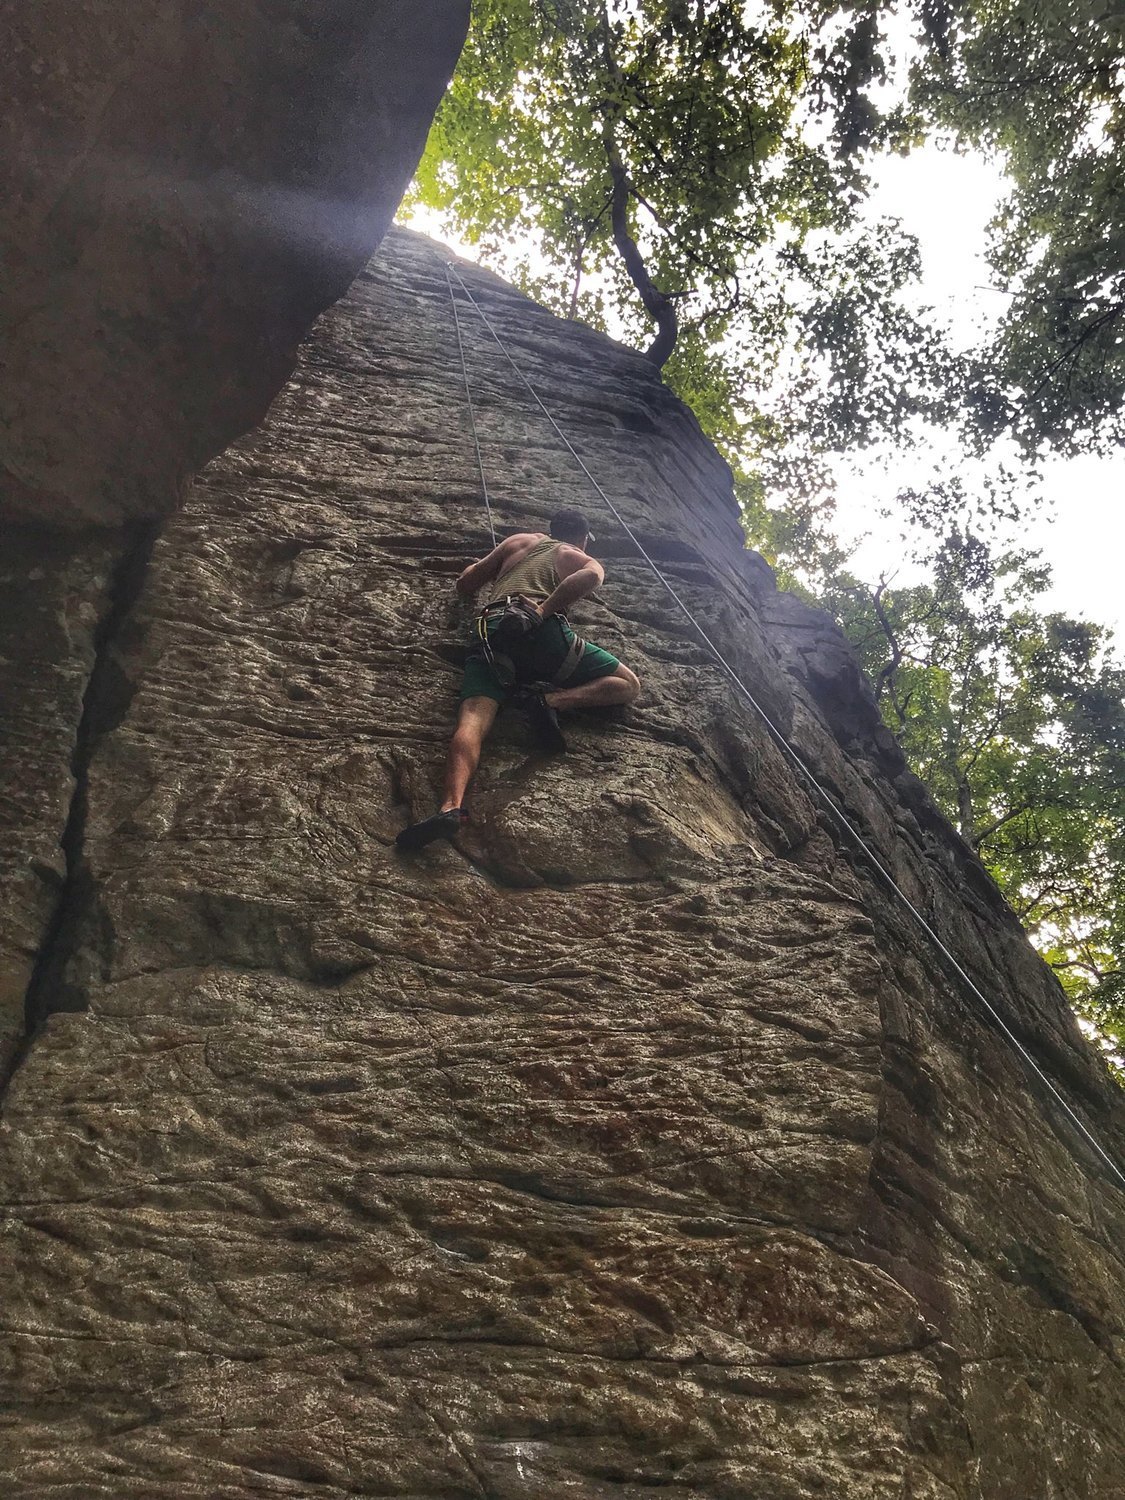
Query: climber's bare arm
<point x="478" y="573"/>
<point x="579" y="576"/>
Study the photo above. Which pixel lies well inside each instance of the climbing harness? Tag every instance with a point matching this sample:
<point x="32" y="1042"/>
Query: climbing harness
<point x="503" y="632"/>
<point x="843" y="822"/>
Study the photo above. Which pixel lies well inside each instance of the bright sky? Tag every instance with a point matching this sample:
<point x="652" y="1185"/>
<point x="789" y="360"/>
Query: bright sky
<point x="946" y="200"/>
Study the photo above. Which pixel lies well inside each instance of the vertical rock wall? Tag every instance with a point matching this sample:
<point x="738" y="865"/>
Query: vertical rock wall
<point x="185" y="186"/>
<point x="636" y="1145"/>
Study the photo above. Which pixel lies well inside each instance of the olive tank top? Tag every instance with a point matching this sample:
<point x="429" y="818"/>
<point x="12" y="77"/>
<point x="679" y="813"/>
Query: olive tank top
<point x="533" y="576"/>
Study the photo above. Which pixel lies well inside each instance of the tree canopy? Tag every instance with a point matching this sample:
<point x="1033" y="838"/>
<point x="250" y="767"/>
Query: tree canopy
<point x="690" y="172"/>
<point x="661" y="165"/>
<point x="1041" y="84"/>
<point x="1014" y="717"/>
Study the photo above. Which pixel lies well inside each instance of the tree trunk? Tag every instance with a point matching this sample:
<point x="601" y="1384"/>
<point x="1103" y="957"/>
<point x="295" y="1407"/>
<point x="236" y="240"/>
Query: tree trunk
<point x="658" y="304"/>
<point x="966" y="822"/>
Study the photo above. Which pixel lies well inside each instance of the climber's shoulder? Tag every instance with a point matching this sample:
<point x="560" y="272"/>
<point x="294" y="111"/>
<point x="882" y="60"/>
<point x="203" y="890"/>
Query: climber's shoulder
<point x="522" y="541"/>
<point x="514" y="548"/>
<point x="569" y="559"/>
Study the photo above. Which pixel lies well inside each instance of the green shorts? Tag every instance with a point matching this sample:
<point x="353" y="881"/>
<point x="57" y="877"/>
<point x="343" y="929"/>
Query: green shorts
<point x="542" y="651"/>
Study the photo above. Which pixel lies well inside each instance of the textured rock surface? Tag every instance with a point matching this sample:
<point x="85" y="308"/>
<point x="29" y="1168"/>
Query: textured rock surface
<point x="57" y="593"/>
<point x="186" y="185"/>
<point x="636" y="1146"/>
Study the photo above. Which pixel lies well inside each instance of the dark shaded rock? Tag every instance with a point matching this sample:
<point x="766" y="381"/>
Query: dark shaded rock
<point x="637" y="1145"/>
<point x="56" y="592"/>
<point x="185" y="186"/>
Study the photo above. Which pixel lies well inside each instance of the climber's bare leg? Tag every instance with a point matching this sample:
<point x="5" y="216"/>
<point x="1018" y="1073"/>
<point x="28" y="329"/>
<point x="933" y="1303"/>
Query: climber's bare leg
<point x="476" y="718"/>
<point x="621" y="686"/>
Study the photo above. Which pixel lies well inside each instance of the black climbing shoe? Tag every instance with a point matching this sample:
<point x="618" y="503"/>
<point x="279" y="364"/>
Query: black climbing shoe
<point x="443" y="825"/>
<point x="544" y="723"/>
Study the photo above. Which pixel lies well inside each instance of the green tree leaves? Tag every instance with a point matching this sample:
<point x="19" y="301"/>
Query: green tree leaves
<point x="662" y="166"/>
<point x="1015" y="720"/>
<point x="1042" y="83"/>
<point x="687" y="163"/>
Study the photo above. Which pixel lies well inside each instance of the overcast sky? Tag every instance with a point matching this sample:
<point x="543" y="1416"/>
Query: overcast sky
<point x="947" y="200"/>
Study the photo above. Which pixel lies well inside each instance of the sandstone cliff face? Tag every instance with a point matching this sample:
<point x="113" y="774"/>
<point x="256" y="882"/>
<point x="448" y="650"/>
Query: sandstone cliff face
<point x="637" y="1146"/>
<point x="186" y="184"/>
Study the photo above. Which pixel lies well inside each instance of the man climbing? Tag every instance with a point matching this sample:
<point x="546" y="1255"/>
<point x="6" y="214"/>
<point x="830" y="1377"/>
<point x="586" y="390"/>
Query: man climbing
<point x="525" y="650"/>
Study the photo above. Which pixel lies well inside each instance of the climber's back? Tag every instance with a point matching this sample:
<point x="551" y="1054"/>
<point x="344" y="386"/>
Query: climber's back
<point x="530" y="568"/>
<point x="533" y="565"/>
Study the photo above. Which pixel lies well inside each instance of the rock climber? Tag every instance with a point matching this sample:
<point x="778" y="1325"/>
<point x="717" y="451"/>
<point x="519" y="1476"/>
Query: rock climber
<point x="525" y="650"/>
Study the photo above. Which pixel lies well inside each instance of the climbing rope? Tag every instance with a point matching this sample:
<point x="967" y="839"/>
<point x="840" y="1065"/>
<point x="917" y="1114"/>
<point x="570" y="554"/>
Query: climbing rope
<point x="835" y="811"/>
<point x="469" y="400"/>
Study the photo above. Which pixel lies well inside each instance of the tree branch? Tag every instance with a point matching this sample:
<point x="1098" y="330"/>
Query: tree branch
<point x="1110" y="314"/>
<point x="998" y="823"/>
<point x="659" y="306"/>
<point x="887" y="679"/>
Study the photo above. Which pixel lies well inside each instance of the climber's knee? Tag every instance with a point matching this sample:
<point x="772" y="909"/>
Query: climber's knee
<point x="632" y="681"/>
<point x="475" y="718"/>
